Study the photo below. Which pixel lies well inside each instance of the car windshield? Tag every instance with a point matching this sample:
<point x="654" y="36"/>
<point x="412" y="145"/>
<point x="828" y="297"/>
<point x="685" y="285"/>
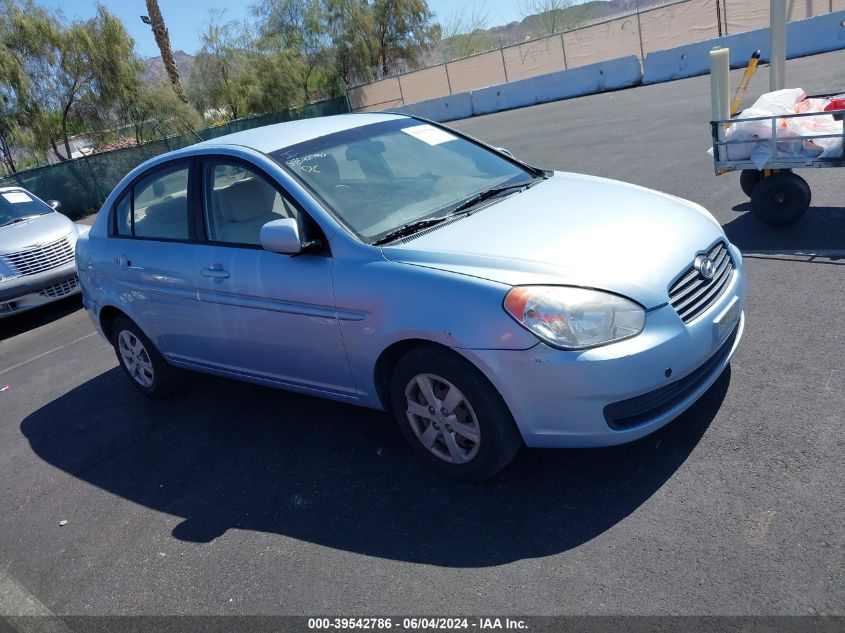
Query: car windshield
<point x="18" y="204"/>
<point x="379" y="177"/>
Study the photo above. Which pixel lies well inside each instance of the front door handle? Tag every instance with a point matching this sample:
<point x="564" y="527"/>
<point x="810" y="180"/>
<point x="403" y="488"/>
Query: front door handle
<point x="215" y="272"/>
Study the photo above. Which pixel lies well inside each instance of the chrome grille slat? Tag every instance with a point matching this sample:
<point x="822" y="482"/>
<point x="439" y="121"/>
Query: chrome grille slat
<point x="38" y="259"/>
<point x="679" y="290"/>
<point x="683" y="286"/>
<point x="713" y="291"/>
<point x="691" y="295"/>
<point x="61" y="289"/>
<point x="702" y="288"/>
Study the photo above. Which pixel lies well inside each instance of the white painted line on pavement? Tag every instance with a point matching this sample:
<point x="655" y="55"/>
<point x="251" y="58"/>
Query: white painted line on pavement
<point x="16" y="601"/>
<point x="827" y="254"/>
<point x="47" y="353"/>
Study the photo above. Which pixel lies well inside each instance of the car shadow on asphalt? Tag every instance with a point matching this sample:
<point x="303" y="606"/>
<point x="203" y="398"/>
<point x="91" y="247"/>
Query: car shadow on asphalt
<point x="820" y="229"/>
<point x="42" y="315"/>
<point x="225" y="454"/>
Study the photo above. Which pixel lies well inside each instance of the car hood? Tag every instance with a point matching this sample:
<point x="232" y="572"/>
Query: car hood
<point x="41" y="230"/>
<point x="573" y="229"/>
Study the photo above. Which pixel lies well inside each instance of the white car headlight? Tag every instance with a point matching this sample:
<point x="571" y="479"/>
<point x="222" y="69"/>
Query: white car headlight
<point x="574" y="318"/>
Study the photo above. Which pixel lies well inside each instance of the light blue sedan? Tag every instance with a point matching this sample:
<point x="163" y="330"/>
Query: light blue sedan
<point x="388" y="262"/>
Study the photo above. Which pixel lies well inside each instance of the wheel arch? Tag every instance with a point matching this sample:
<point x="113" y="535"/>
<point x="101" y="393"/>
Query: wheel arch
<point x="108" y="315"/>
<point x="393" y="353"/>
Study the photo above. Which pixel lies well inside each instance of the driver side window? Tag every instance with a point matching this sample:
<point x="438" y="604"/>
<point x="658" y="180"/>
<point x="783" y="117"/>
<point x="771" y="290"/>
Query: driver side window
<point x="239" y="201"/>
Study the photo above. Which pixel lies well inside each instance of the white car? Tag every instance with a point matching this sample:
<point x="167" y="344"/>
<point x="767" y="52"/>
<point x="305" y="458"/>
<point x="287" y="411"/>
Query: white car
<point x="37" y="246"/>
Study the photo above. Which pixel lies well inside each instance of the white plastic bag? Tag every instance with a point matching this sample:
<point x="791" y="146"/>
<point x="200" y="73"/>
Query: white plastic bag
<point x="758" y="134"/>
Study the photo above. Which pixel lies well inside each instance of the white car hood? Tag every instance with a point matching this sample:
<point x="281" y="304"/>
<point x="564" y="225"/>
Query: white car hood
<point x="39" y="230"/>
<point x="573" y="230"/>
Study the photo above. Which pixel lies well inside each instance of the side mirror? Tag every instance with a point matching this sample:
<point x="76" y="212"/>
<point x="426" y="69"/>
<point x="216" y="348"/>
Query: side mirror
<point x="55" y="205"/>
<point x="281" y="236"/>
<point x="504" y="151"/>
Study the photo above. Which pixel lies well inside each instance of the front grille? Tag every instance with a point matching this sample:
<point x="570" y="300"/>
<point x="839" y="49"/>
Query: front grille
<point x="61" y="289"/>
<point x="691" y="295"/>
<point x="40" y="258"/>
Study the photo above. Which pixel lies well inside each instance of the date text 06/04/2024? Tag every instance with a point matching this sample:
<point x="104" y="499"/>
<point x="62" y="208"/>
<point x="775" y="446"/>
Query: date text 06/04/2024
<point x="417" y="623"/>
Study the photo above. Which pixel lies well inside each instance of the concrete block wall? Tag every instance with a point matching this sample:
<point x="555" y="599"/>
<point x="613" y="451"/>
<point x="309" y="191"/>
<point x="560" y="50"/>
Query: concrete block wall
<point x="612" y="75"/>
<point x="804" y="37"/>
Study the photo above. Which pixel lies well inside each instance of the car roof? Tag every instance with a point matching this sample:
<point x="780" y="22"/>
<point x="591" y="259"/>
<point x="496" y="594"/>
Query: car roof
<point x="270" y="138"/>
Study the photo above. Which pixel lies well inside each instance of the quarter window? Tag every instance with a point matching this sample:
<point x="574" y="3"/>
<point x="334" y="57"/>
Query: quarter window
<point x="156" y="206"/>
<point x="239" y="201"/>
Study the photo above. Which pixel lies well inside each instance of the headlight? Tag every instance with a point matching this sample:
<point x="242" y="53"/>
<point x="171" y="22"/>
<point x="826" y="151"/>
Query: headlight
<point x="574" y="318"/>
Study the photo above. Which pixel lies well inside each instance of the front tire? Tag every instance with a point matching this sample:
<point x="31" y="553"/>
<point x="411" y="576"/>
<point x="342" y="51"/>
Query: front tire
<point x="141" y="361"/>
<point x="451" y="415"/>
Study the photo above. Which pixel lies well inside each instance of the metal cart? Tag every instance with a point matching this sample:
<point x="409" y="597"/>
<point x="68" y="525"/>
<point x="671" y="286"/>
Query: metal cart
<point x="779" y="197"/>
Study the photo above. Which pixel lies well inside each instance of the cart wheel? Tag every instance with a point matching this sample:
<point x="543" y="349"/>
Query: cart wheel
<point x="780" y="199"/>
<point x="748" y="179"/>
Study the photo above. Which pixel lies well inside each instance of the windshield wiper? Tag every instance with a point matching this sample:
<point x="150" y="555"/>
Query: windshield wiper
<point x="16" y="220"/>
<point x="409" y="229"/>
<point x="486" y="195"/>
<point x="461" y="209"/>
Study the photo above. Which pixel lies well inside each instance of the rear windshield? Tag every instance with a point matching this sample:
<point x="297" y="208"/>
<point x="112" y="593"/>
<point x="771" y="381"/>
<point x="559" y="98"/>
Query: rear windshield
<point x="18" y="204"/>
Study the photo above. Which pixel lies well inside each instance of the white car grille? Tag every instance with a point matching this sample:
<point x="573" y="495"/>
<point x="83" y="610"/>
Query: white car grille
<point x="692" y="294"/>
<point x="61" y="289"/>
<point x="40" y="258"/>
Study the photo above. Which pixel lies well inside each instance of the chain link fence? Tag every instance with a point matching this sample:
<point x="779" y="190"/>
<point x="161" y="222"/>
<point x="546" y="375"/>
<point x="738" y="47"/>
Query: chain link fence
<point x="83" y="184"/>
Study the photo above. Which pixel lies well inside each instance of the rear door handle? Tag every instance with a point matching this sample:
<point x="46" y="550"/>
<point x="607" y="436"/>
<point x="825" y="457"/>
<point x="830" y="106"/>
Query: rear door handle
<point x="216" y="272"/>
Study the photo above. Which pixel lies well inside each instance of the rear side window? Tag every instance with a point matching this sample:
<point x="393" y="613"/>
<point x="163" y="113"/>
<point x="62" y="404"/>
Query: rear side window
<point x="156" y="206"/>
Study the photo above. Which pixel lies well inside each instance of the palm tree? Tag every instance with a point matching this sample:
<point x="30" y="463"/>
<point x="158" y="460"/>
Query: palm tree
<point x="156" y="22"/>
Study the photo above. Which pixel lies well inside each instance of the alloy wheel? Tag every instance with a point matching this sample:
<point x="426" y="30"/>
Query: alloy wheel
<point x="136" y="359"/>
<point x="442" y="418"/>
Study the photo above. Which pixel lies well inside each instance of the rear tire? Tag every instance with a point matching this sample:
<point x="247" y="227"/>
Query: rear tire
<point x="450" y="414"/>
<point x="141" y="361"/>
<point x="781" y="199"/>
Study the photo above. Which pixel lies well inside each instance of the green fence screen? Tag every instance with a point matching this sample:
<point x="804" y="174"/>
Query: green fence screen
<point x="83" y="184"/>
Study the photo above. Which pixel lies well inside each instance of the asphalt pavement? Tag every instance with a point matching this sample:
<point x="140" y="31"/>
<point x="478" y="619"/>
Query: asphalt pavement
<point x="236" y="499"/>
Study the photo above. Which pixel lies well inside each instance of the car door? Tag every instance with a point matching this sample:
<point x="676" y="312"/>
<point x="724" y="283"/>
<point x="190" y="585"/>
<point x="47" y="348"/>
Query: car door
<point x="271" y="317"/>
<point x="152" y="259"/>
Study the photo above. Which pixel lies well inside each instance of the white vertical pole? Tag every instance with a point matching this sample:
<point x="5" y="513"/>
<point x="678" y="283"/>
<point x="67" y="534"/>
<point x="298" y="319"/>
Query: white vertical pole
<point x="777" y="67"/>
<point x="720" y="89"/>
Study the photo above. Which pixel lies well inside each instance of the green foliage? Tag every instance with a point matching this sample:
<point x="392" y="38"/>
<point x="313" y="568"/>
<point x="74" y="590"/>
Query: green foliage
<point x="28" y="36"/>
<point x="221" y="75"/>
<point x="59" y="78"/>
<point x="157" y="112"/>
<point x="378" y="37"/>
<point x="400" y="29"/>
<point x="296" y="32"/>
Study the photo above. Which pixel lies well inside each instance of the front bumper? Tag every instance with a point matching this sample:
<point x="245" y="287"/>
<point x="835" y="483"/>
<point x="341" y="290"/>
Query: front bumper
<point x="620" y="392"/>
<point x="19" y="294"/>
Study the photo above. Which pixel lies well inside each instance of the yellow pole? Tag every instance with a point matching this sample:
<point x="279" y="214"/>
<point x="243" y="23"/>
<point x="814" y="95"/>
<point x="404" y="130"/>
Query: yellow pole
<point x="743" y="84"/>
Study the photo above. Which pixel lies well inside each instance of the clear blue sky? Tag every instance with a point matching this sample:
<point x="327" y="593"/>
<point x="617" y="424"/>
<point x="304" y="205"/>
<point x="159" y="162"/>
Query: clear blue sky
<point x="186" y="18"/>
